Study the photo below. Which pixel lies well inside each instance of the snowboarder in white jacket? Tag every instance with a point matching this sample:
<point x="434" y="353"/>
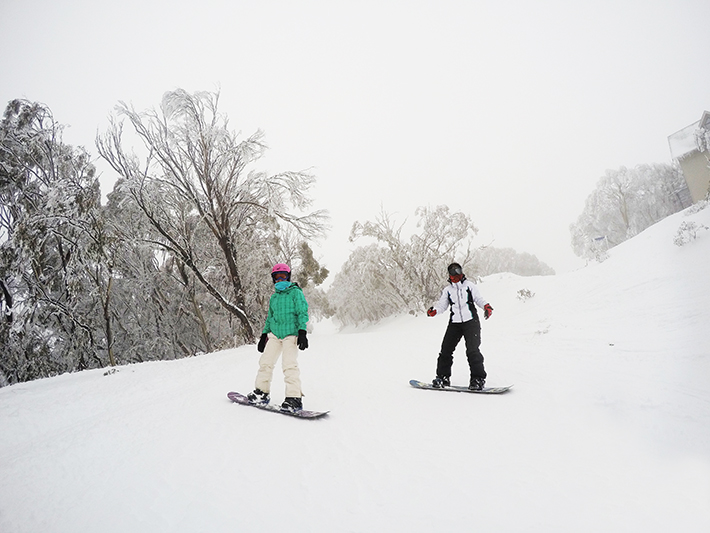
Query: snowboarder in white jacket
<point x="461" y="296"/>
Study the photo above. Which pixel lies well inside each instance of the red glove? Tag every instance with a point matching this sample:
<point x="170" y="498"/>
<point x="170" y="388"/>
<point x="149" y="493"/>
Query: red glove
<point x="431" y="312"/>
<point x="487" y="311"/>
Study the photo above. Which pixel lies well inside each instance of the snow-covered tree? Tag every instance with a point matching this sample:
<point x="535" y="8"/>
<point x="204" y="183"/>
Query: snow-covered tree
<point x="49" y="211"/>
<point x="210" y="212"/>
<point x="144" y="277"/>
<point x="369" y="287"/>
<point x="395" y="274"/>
<point x="155" y="308"/>
<point x="491" y="260"/>
<point x="625" y="202"/>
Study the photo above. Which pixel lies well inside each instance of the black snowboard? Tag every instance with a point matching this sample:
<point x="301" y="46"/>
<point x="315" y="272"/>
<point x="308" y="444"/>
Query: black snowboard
<point x="240" y="398"/>
<point x="454" y="388"/>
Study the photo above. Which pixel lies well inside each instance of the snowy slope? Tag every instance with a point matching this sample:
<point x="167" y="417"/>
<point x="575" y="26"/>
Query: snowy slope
<point x="606" y="429"/>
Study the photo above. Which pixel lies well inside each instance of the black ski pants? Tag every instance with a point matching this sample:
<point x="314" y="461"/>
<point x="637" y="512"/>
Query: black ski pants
<point x="471" y="332"/>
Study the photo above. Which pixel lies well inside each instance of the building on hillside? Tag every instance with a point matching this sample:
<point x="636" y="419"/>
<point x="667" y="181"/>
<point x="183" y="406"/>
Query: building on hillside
<point x="691" y="148"/>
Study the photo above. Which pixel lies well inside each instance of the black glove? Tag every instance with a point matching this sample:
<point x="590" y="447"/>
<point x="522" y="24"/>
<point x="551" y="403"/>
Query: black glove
<point x="262" y="342"/>
<point x="431" y="312"/>
<point x="487" y="311"/>
<point x="302" y="339"/>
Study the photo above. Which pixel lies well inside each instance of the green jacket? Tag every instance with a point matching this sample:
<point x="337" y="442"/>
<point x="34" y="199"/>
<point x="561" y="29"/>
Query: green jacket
<point x="288" y="312"/>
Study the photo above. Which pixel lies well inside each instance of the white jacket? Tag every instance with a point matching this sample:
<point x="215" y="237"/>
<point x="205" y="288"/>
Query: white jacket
<point x="460" y="297"/>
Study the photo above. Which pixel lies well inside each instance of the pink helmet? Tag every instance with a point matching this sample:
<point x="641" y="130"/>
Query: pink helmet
<point x="281" y="267"/>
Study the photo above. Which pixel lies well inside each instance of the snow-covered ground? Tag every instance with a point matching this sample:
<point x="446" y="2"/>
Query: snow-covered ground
<point x="606" y="429"/>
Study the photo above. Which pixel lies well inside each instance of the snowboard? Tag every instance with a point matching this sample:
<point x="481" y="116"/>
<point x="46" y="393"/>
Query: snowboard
<point x="303" y="413"/>
<point x="454" y="388"/>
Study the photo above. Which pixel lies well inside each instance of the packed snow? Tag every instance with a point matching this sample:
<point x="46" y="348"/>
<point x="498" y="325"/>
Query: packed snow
<point x="607" y="427"/>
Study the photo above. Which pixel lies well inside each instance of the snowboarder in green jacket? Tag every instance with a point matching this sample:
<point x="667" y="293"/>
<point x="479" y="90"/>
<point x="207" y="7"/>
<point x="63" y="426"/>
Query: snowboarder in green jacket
<point x="284" y="334"/>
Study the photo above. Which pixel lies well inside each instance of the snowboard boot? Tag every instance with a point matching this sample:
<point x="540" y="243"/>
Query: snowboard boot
<point x="292" y="404"/>
<point x="440" y="382"/>
<point x="258" y="397"/>
<point x="477" y="384"/>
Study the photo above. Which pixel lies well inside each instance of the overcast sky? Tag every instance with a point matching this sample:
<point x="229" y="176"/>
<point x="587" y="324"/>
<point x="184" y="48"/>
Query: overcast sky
<point x="507" y="110"/>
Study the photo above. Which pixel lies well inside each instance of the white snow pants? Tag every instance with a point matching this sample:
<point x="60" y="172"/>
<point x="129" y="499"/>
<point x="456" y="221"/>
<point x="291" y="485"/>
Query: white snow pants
<point x="289" y="364"/>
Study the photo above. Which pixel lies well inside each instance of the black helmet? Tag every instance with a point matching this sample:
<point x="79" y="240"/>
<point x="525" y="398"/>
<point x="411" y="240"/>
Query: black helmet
<point x="455" y="270"/>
